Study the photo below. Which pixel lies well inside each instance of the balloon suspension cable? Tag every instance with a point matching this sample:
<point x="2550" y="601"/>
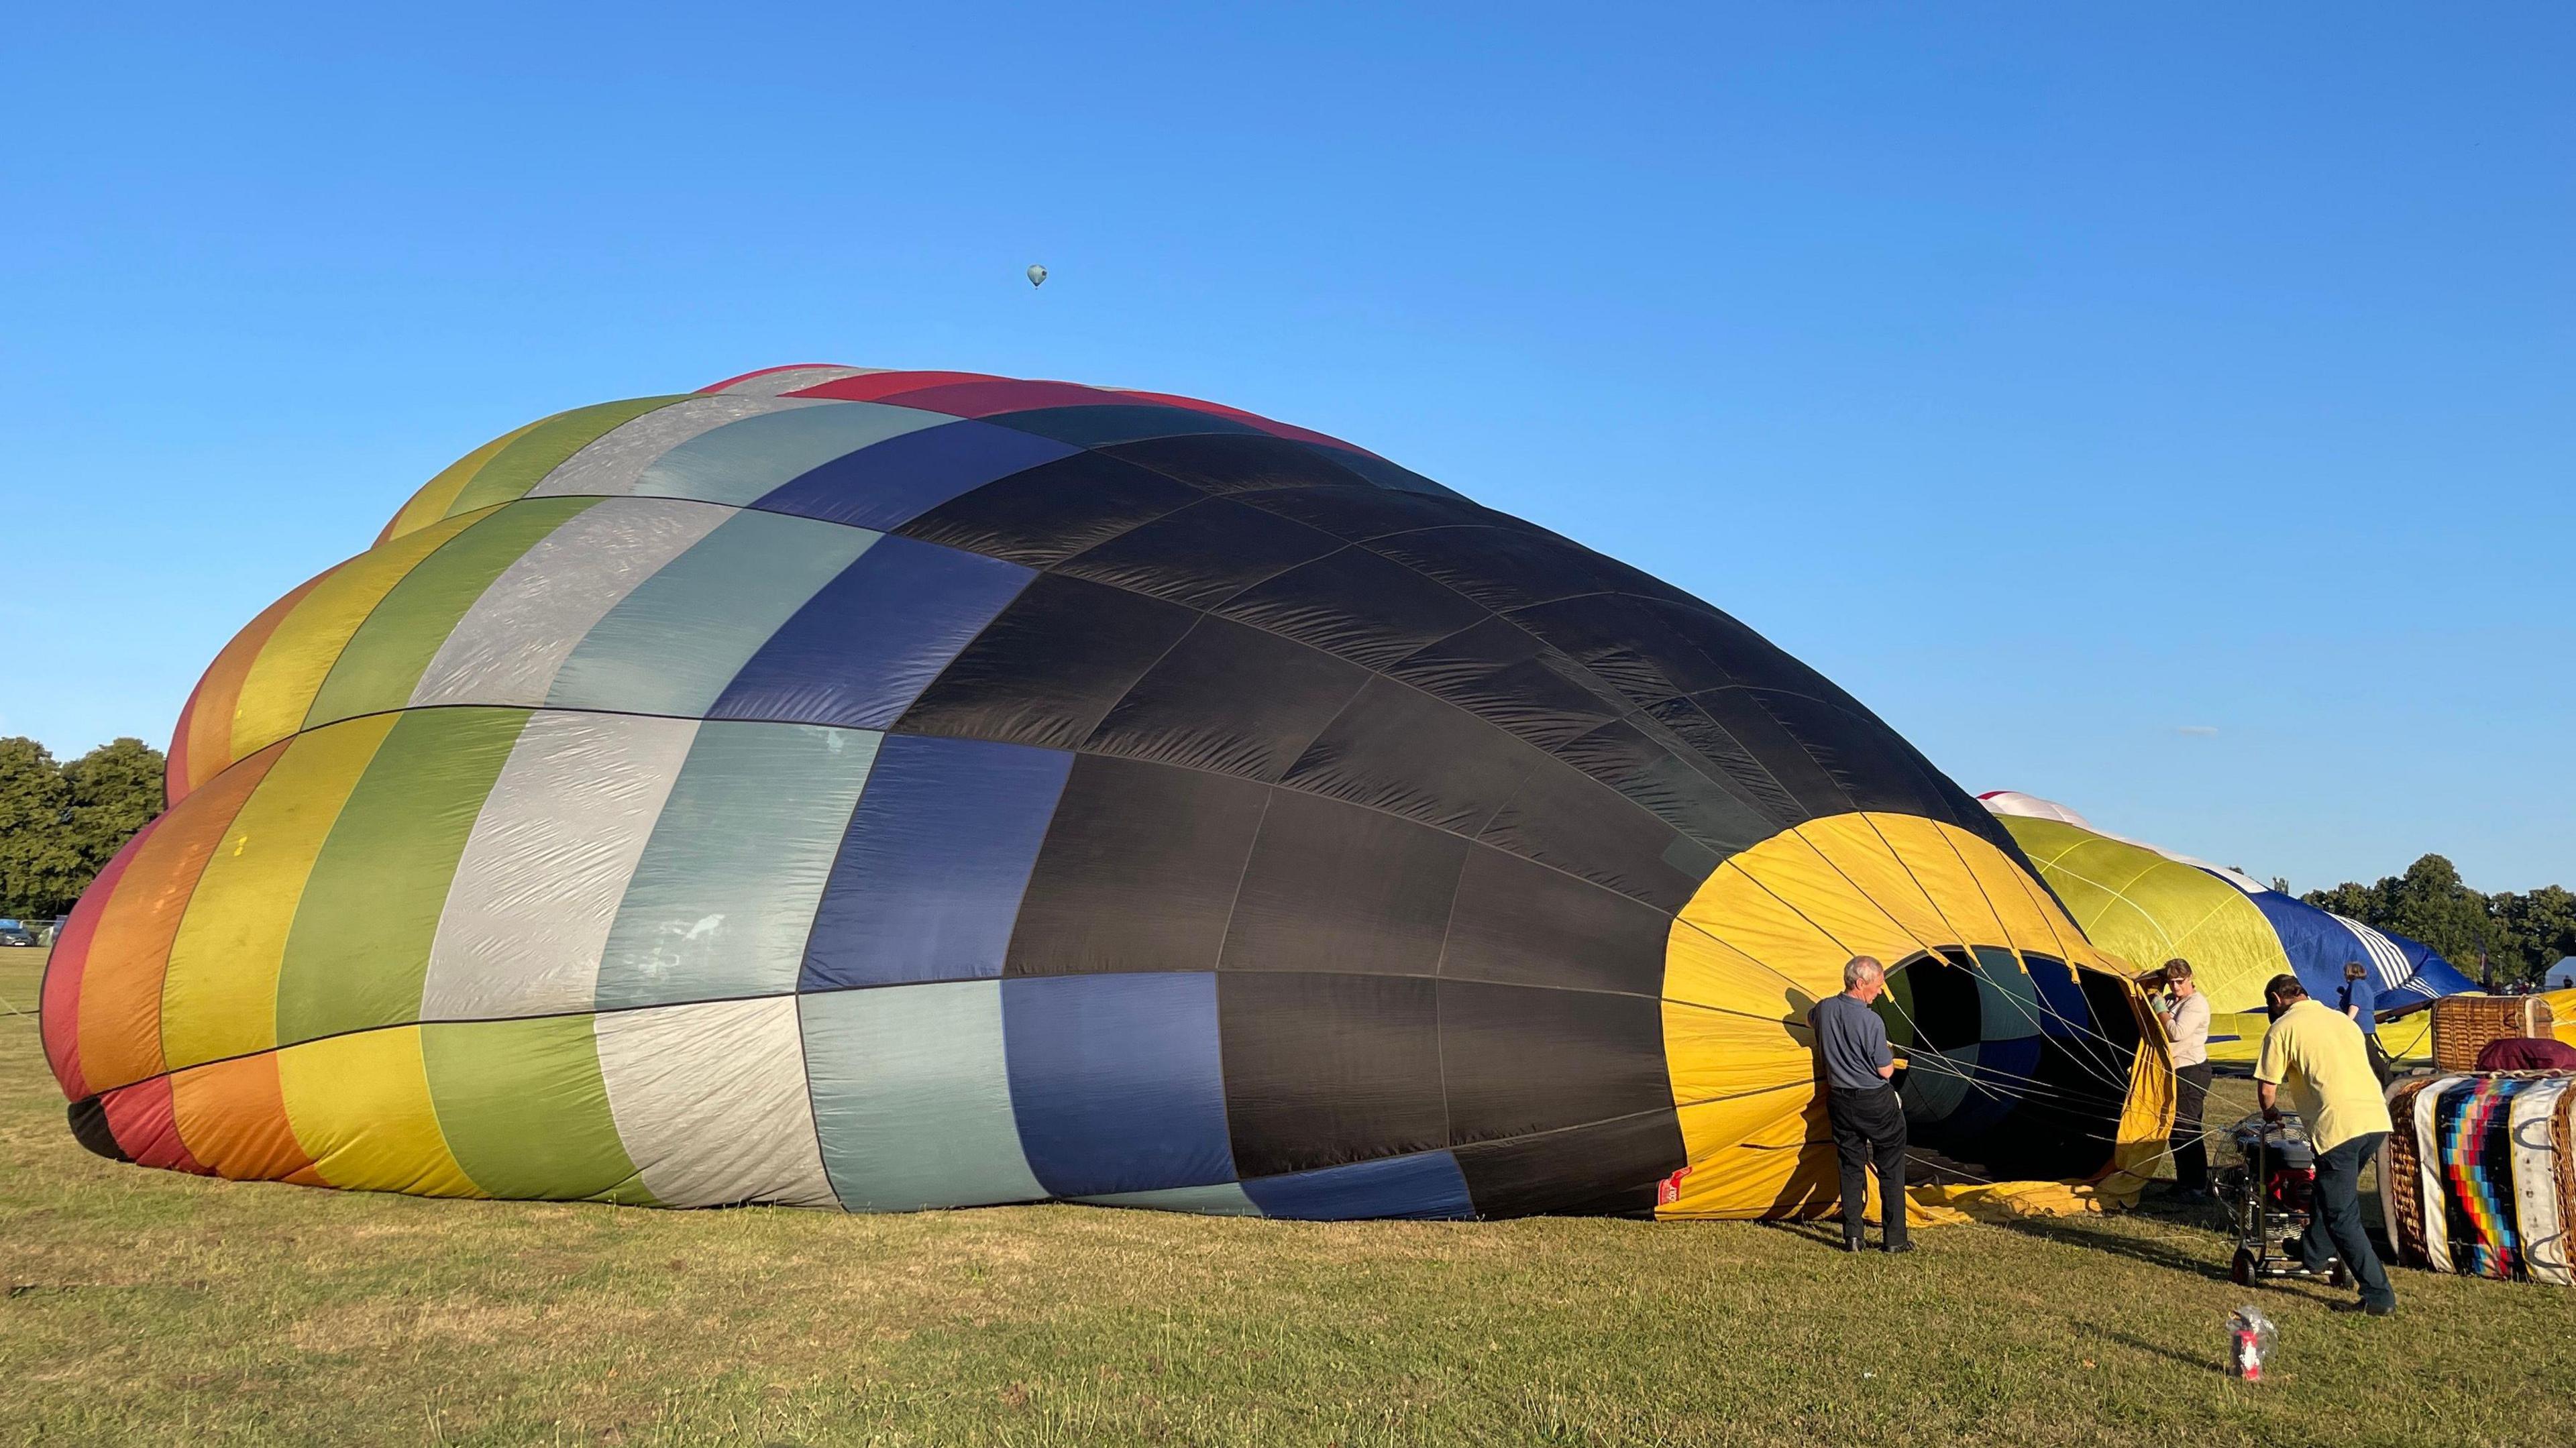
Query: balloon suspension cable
<point x="1970" y="1073"/>
<point x="2109" y="1076"/>
<point x="2020" y="957"/>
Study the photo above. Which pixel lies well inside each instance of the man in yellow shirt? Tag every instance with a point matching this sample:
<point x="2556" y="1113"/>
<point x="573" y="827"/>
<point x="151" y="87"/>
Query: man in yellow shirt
<point x="2319" y="1055"/>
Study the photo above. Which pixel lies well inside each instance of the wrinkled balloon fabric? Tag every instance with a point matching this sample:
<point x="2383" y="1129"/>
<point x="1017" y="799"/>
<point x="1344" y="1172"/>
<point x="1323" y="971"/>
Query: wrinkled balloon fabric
<point x="2150" y="905"/>
<point x="889" y="790"/>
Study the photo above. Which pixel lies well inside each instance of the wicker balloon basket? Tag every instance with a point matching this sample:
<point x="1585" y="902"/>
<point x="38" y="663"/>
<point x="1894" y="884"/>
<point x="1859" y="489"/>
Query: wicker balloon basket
<point x="2464" y="1024"/>
<point x="2479" y="1174"/>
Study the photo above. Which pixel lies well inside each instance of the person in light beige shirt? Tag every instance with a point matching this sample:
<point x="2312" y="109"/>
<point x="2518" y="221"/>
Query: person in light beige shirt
<point x="2186" y="1016"/>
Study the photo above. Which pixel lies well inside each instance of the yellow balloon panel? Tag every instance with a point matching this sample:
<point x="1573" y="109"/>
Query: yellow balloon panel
<point x="361" y="1108"/>
<point x="1768" y="935"/>
<point x="2148" y="909"/>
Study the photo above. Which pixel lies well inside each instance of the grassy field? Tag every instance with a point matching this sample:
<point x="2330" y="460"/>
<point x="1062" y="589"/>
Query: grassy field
<point x="148" y="1307"/>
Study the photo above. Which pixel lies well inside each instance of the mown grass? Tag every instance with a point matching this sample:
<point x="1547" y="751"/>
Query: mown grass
<point x="148" y="1307"/>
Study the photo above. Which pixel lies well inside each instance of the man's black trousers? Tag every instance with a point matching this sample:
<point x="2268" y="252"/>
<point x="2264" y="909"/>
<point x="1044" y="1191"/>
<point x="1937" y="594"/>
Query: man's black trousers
<point x="1869" y="1129"/>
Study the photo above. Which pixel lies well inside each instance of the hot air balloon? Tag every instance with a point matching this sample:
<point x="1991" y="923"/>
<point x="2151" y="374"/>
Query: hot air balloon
<point x="1037" y="275"/>
<point x="2149" y="905"/>
<point x="889" y="790"/>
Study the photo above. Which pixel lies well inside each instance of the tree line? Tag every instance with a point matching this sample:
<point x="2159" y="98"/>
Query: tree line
<point x="60" y="823"/>
<point x="2506" y="937"/>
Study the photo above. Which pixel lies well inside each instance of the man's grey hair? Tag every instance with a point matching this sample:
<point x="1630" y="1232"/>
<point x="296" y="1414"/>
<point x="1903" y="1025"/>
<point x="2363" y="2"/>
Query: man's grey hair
<point x="1861" y="968"/>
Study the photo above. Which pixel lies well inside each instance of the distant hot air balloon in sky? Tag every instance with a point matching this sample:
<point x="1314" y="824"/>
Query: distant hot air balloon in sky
<point x="1037" y="275"/>
<point x="886" y="790"/>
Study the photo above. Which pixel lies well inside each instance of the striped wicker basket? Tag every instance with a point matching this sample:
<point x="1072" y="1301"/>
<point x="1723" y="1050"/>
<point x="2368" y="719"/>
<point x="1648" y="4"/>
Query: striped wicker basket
<point x="2464" y="1024"/>
<point x="2523" y="1216"/>
<point x="2401" y="1195"/>
<point x="2562" y="1139"/>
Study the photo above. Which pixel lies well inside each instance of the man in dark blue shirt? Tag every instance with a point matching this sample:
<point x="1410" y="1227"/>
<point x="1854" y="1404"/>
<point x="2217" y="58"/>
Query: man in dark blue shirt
<point x="1852" y="1056"/>
<point x="2360" y="1000"/>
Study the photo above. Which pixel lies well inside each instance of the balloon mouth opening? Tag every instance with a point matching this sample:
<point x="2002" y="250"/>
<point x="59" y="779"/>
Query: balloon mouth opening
<point x="2016" y="1070"/>
<point x="90" y="1128"/>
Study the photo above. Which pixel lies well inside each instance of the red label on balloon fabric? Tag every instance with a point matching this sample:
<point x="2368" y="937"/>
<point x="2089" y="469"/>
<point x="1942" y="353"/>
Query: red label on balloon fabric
<point x="1669" y="1190"/>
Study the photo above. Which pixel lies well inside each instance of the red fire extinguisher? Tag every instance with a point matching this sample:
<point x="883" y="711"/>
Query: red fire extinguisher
<point x="2249" y="1335"/>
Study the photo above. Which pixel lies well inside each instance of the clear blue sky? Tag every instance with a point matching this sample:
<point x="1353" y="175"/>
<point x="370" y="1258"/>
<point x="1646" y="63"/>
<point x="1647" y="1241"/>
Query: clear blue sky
<point x="2067" y="381"/>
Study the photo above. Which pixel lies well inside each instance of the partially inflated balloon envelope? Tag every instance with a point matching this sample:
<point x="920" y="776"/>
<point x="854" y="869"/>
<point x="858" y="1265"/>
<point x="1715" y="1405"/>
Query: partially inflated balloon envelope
<point x="2149" y="905"/>
<point x="890" y="790"/>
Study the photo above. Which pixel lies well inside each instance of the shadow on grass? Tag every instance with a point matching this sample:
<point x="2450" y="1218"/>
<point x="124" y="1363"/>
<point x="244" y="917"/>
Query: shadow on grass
<point x="2135" y="1343"/>
<point x="2173" y="1258"/>
<point x="2074" y="1233"/>
<point x="2209" y="1264"/>
<point x="1824" y="1233"/>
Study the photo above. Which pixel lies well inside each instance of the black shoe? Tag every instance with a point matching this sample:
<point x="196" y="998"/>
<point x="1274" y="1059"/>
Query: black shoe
<point x="1852" y="1244"/>
<point x="2366" y="1307"/>
<point x="1896" y="1246"/>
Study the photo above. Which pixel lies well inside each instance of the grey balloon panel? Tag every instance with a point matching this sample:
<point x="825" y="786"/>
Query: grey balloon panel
<point x="674" y="643"/>
<point x="538" y="885"/>
<point x="515" y="638"/>
<point x="723" y="899"/>
<point x="912" y="1097"/>
<point x="740" y="461"/>
<point x="609" y="465"/>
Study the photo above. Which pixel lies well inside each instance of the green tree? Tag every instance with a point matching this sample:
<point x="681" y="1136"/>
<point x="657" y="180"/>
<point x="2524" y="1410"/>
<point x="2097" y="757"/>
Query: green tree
<point x="116" y="789"/>
<point x="61" y="823"/>
<point x="2365" y="903"/>
<point x="2520" y="935"/>
<point x="2542" y="922"/>
<point x="2430" y="903"/>
<point x="37" y="861"/>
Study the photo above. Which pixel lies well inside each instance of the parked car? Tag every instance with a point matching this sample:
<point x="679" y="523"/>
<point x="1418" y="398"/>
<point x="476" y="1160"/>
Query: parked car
<point x="15" y="932"/>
